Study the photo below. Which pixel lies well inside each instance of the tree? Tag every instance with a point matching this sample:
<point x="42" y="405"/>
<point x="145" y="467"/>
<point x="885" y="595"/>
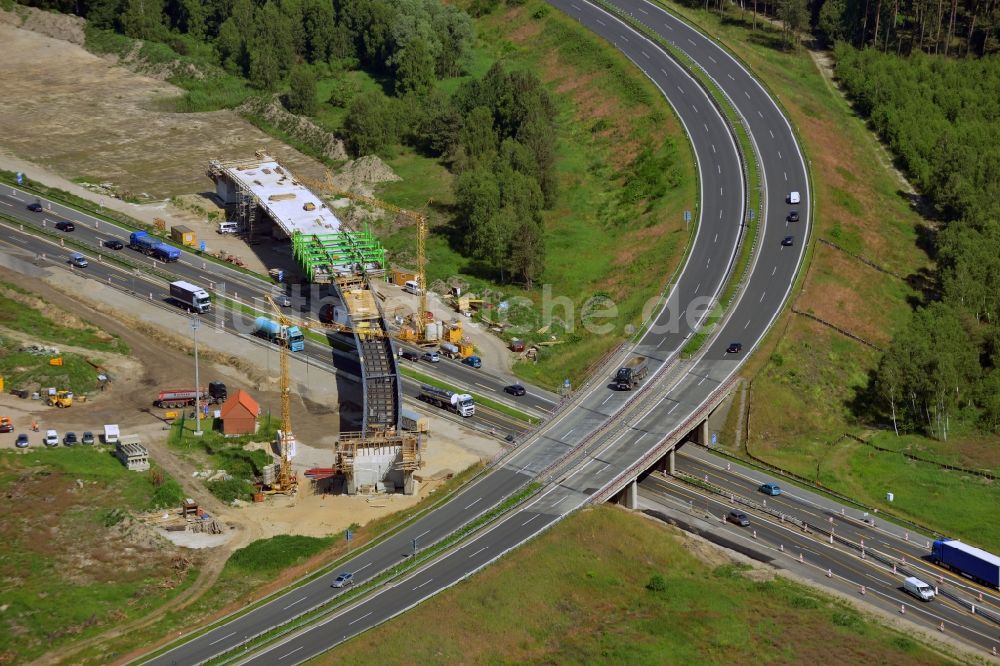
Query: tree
<point x="143" y="19"/>
<point x="319" y="26"/>
<point x="478" y="138"/>
<point x="270" y="50"/>
<point x="414" y="68"/>
<point x="794" y="17"/>
<point x="302" y="92"/>
<point x="370" y="123"/>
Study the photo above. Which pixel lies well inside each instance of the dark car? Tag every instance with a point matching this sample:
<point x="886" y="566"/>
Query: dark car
<point x="22" y="441"/>
<point x="787" y="241"/>
<point x="793" y="216"/>
<point x="734" y="348"/>
<point x="770" y="489"/>
<point x="409" y="355"/>
<point x="514" y="389"/>
<point x="88" y="438"/>
<point x="70" y="439"/>
<point x="35" y="207"/>
<point x="65" y="225"/>
<point x="738" y="518"/>
<point x="343" y="580"/>
<point x="114" y="244"/>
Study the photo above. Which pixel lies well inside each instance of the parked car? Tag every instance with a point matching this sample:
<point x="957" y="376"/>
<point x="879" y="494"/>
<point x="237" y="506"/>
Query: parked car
<point x="734" y="348"/>
<point x="88" y="438"/>
<point x="343" y="580"/>
<point x="770" y="489"/>
<point x="793" y="216"/>
<point x="51" y="438"/>
<point x="35" y="207"/>
<point x="409" y="355"/>
<point x="514" y="389"/>
<point x="114" y="244"/>
<point x="738" y="518"/>
<point x="70" y="439"/>
<point x="65" y="225"/>
<point x="6" y="425"/>
<point x="430" y="357"/>
<point x="787" y="241"/>
<point x="22" y="441"/>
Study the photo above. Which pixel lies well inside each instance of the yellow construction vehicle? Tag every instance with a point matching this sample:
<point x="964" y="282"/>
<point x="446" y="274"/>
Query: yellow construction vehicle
<point x="60" y="399"/>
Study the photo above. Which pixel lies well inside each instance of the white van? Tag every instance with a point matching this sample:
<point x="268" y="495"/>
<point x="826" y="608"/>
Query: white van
<point x="794" y="198"/>
<point x="412" y="287"/>
<point x="228" y="227"/>
<point x="918" y="588"/>
<point x="51" y="438"/>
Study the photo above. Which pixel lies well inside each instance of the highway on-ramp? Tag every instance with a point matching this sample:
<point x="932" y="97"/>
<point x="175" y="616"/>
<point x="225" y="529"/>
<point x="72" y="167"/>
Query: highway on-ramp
<point x="613" y="429"/>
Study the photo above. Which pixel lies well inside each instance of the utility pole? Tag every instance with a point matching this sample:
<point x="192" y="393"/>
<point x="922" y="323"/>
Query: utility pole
<point x="197" y="380"/>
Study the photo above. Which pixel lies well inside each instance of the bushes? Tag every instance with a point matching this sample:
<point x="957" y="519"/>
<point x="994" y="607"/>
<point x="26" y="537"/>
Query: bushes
<point x="276" y="553"/>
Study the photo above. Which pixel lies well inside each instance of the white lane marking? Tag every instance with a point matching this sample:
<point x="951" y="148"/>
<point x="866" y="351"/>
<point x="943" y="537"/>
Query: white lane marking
<point x="664" y="72"/>
<point x="713" y="60"/>
<point x="682" y="90"/>
<point x="779" y="154"/>
<point x="418" y="536"/>
<point x="708" y="262"/>
<point x="642" y="10"/>
<point x="775" y="270"/>
<point x="661" y="343"/>
<point x="473" y="504"/>
<point x="624" y="38"/>
<point x="610" y="395"/>
<point x="747" y="94"/>
<point x="746" y="325"/>
<point x="601" y="22"/>
<point x="7" y="204"/>
<point x="530" y="519"/>
<point x="720" y="191"/>
<point x="695" y="108"/>
<point x="575" y="7"/>
<point x="570" y="432"/>
<point x="358" y="620"/>
<point x="720" y="213"/>
<point x="697" y="288"/>
<point x="786" y="175"/>
<point x="295" y="650"/>
<point x="705" y="125"/>
<point x="713" y="148"/>
<point x="762" y="297"/>
<point x="691" y="42"/>
<point x="716" y="239"/>
<point x="645" y="54"/>
<point x="676" y="404"/>
<point x="489" y="388"/>
<point x="771" y="132"/>
<point x="223" y="638"/>
<point x="731" y="77"/>
<point x="759" y="113"/>
<point x="293" y="603"/>
<point x="719" y="167"/>
<point x="478" y="551"/>
<point x="422" y="584"/>
<point x="606" y="465"/>
<point x="702" y="380"/>
<point x="369" y="564"/>
<point x="668" y="27"/>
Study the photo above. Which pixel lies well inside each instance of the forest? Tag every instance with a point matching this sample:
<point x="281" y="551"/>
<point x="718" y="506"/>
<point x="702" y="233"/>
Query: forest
<point x="941" y="118"/>
<point x="496" y="135"/>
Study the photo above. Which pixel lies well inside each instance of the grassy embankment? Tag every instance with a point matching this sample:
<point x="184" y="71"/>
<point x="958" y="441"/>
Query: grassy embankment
<point x="576" y="595"/>
<point x="262" y="568"/>
<point x="74" y="565"/>
<point x="807" y="375"/>
<point x="24" y="316"/>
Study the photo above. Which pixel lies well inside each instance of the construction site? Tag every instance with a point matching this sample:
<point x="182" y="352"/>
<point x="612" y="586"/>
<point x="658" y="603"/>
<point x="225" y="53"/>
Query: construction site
<point x="267" y="201"/>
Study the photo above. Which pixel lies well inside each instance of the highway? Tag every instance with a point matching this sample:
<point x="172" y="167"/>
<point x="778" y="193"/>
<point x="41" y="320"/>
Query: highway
<point x="234" y="284"/>
<point x="614" y="429"/>
<point x="342" y="365"/>
<point x="840" y="564"/>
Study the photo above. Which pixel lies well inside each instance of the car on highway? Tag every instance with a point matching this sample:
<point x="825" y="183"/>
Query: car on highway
<point x="787" y="241"/>
<point x="514" y="389"/>
<point x="51" y="438"/>
<point x="734" y="348"/>
<point x="793" y="216"/>
<point x="22" y="441"/>
<point x="88" y="438"/>
<point x="409" y="355"/>
<point x="430" y="357"/>
<point x="65" y="225"/>
<point x="737" y="517"/>
<point x="282" y="300"/>
<point x="343" y="580"/>
<point x="114" y="244"/>
<point x="70" y="439"/>
<point x="772" y="489"/>
<point x="473" y="361"/>
<point x="78" y="260"/>
<point x="35" y="207"/>
<point x="794" y="198"/>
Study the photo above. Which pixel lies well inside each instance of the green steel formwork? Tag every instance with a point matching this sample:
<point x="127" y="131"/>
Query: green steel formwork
<point x="323" y="255"/>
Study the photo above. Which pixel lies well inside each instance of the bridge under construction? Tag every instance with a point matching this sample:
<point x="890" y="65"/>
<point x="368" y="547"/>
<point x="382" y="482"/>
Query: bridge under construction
<point x="269" y="200"/>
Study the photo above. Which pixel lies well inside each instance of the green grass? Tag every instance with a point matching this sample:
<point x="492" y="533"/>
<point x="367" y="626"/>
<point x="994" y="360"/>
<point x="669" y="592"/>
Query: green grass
<point x="67" y="567"/>
<point x="577" y="594"/>
<point x="479" y="399"/>
<point x="24" y="370"/>
<point x="269" y="556"/>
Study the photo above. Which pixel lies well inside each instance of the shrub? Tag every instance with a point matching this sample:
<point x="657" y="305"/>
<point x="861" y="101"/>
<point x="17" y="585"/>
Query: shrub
<point x="657" y="583"/>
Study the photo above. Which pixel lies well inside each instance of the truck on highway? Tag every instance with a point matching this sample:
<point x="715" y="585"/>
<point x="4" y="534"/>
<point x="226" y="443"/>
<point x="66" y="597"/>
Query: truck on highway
<point x="460" y="403"/>
<point x="150" y="246"/>
<point x="291" y="336"/>
<point x="185" y="397"/>
<point x="630" y="374"/>
<point x="973" y="562"/>
<point x="190" y="296"/>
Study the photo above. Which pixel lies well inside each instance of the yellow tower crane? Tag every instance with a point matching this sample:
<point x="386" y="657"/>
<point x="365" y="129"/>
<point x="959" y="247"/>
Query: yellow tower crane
<point x="328" y="186"/>
<point x="287" y="480"/>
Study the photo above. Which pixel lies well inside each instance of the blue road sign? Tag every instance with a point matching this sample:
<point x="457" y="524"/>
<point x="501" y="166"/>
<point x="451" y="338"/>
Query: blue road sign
<point x="715" y="438"/>
<point x="20" y="178"/>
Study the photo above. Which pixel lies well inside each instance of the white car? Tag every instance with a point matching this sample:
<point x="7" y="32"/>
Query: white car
<point x="794" y="198"/>
<point x="51" y="438"/>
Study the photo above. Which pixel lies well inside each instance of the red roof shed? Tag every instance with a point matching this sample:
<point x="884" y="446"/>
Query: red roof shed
<point x="239" y="414"/>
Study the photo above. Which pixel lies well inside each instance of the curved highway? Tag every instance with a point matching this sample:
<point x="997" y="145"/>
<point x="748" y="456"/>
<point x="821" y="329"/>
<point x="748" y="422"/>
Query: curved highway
<point x="615" y="429"/>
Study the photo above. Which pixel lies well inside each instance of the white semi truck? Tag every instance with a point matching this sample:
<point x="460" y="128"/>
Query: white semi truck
<point x="460" y="403"/>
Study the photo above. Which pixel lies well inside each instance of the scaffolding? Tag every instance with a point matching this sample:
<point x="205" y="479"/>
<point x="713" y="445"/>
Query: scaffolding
<point x="325" y="256"/>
